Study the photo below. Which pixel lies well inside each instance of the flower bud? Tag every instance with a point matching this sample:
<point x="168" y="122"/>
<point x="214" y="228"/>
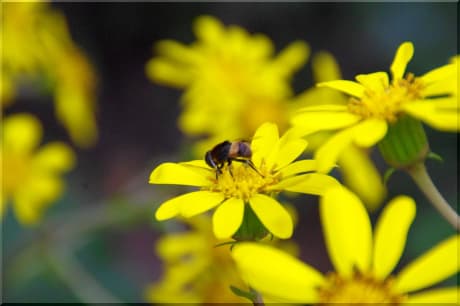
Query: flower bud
<point x="405" y="143"/>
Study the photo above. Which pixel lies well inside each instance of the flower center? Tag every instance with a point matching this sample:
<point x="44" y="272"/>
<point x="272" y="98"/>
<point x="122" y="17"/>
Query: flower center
<point x="387" y="104"/>
<point x="359" y="288"/>
<point x="241" y="181"/>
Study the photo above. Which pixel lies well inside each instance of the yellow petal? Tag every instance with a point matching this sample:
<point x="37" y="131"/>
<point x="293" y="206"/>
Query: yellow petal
<point x="377" y="81"/>
<point x="277" y="274"/>
<point x="403" y="56"/>
<point x="347" y="231"/>
<point x="208" y="29"/>
<point x="432" y="267"/>
<point x="176" y="52"/>
<point x="298" y="167"/>
<point x="288" y="151"/>
<point x="436" y="296"/>
<point x="325" y="67"/>
<point x="391" y="235"/>
<point x="326" y="156"/>
<point x="313" y="121"/>
<point x="291" y="58"/>
<point x="21" y="133"/>
<point x="272" y="215"/>
<point x="167" y="73"/>
<point x="200" y="202"/>
<point x="311" y="183"/>
<point x="227" y="218"/>
<point x="349" y="87"/>
<point x="369" y="132"/>
<point x="27" y="211"/>
<point x="176" y="174"/>
<point x="441" y="118"/>
<point x="440" y="74"/>
<point x="361" y="175"/>
<point x="55" y="156"/>
<point x="264" y="141"/>
<point x="173" y="246"/>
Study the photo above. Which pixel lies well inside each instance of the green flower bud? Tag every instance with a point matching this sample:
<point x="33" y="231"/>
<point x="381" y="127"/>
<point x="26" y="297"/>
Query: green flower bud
<point x="405" y="143"/>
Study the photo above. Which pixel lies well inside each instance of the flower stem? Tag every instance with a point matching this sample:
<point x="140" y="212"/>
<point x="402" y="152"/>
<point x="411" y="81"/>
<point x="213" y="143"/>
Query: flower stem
<point x="423" y="180"/>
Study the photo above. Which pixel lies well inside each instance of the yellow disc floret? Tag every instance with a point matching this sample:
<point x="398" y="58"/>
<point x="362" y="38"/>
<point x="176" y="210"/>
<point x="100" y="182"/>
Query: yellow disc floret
<point x="386" y="104"/>
<point x="359" y="288"/>
<point x="242" y="182"/>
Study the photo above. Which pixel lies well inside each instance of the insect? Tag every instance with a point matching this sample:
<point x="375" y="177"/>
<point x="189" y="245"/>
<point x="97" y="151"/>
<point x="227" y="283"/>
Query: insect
<point x="226" y="152"/>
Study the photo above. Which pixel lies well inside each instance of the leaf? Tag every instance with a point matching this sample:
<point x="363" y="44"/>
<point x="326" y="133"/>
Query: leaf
<point x="245" y="294"/>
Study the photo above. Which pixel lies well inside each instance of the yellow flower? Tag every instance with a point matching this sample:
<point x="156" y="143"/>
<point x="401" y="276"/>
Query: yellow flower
<point x="195" y="270"/>
<point x="377" y="104"/>
<point x="230" y="74"/>
<point x="31" y="177"/>
<point x="363" y="262"/>
<point x="244" y="189"/>
<point x="357" y="169"/>
<point x="37" y="46"/>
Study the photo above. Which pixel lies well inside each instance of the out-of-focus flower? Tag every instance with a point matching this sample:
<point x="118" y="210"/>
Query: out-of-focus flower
<point x="31" y="177"/>
<point x="240" y="190"/>
<point x="37" y="46"/>
<point x="196" y="270"/>
<point x="363" y="263"/>
<point x="233" y="82"/>
<point x="357" y="169"/>
<point x="378" y="105"/>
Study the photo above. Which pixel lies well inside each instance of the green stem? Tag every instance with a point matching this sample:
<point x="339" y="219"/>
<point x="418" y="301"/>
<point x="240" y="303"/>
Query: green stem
<point x="79" y="281"/>
<point x="423" y="180"/>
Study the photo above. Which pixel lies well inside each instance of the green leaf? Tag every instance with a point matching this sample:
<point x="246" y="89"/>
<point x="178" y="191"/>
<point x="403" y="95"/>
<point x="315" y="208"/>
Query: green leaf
<point x="435" y="157"/>
<point x="245" y="294"/>
<point x="388" y="173"/>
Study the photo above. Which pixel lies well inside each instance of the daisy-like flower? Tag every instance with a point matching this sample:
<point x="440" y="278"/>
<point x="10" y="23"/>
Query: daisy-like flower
<point x="37" y="46"/>
<point x="355" y="165"/>
<point x="31" y="177"/>
<point x="229" y="73"/>
<point x="241" y="190"/>
<point x="363" y="262"/>
<point x="376" y="105"/>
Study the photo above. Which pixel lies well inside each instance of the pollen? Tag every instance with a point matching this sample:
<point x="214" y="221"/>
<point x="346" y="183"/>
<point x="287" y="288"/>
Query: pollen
<point x="242" y="182"/>
<point x="387" y="104"/>
<point x="359" y="288"/>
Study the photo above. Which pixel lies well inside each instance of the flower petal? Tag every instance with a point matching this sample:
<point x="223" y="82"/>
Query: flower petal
<point x="208" y="29"/>
<point x="403" y="56"/>
<point x="436" y="296"/>
<point x="311" y="183"/>
<point x="272" y="215"/>
<point x="391" y="234"/>
<point x="328" y="153"/>
<point x="433" y="266"/>
<point x="347" y="231"/>
<point x="277" y="274"/>
<point x="21" y="133"/>
<point x="188" y="204"/>
<point x="348" y="87"/>
<point x="442" y="118"/>
<point x="177" y="174"/>
<point x="288" y="151"/>
<point x="369" y="132"/>
<point x="55" y="157"/>
<point x="307" y="165"/>
<point x="440" y="74"/>
<point x="377" y="81"/>
<point x="325" y="67"/>
<point x="313" y="121"/>
<point x="227" y="218"/>
<point x="361" y="175"/>
<point x="199" y="203"/>
<point x="264" y="141"/>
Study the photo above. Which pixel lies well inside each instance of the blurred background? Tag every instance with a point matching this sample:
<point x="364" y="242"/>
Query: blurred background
<point x="104" y="222"/>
